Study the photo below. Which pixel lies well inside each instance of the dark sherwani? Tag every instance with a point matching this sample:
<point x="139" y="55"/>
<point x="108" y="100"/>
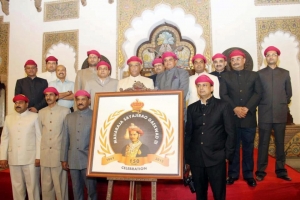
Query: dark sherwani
<point x="218" y="74"/>
<point x="209" y="140"/>
<point x="272" y="114"/>
<point x="242" y="88"/>
<point x="34" y="90"/>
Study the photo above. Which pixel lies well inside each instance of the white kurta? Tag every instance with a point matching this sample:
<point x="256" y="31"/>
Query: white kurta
<point x="49" y="76"/>
<point x="129" y="81"/>
<point x="193" y="95"/>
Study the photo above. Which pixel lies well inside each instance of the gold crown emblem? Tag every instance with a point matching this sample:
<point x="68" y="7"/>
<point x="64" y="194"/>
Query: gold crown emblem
<point x="137" y="106"/>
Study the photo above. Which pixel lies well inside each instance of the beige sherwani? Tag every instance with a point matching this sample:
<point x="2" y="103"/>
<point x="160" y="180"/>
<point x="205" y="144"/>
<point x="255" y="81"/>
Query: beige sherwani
<point x="54" y="178"/>
<point x="83" y="76"/>
<point x="20" y="145"/>
<point x="49" y="76"/>
<point x="129" y="81"/>
<point x="193" y="96"/>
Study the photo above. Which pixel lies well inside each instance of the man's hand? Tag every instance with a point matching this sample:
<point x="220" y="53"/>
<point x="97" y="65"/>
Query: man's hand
<point x="33" y="109"/>
<point x="226" y="160"/>
<point x="240" y="113"/>
<point x="245" y="110"/>
<point x="65" y="165"/>
<point x="3" y="164"/>
<point x="37" y="162"/>
<point x="187" y="170"/>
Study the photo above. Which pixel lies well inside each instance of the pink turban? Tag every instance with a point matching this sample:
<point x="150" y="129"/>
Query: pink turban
<point x="94" y="52"/>
<point x="134" y="59"/>
<point x="103" y="63"/>
<point x="51" y="89"/>
<point x="169" y="54"/>
<point x="30" y="62"/>
<point x="272" y="48"/>
<point x="204" y="78"/>
<point x="219" y="55"/>
<point x="199" y="56"/>
<point x="82" y="93"/>
<point x="236" y="53"/>
<point x="20" y="97"/>
<point x="156" y="61"/>
<point x="51" y="58"/>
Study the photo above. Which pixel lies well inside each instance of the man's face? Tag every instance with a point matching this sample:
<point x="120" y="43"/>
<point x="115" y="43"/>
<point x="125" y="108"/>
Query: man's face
<point x="103" y="71"/>
<point x="82" y="102"/>
<point x="93" y="60"/>
<point x="134" y="136"/>
<point x="199" y="65"/>
<point x="134" y="68"/>
<point x="21" y="106"/>
<point x="51" y="66"/>
<point x="272" y="57"/>
<point x="238" y="62"/>
<point x="219" y="64"/>
<point x="31" y="70"/>
<point x="159" y="68"/>
<point x="204" y="89"/>
<point x="50" y="98"/>
<point x="61" y="72"/>
<point x="169" y="62"/>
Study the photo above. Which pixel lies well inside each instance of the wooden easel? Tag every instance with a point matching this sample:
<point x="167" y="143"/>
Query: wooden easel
<point x="133" y="182"/>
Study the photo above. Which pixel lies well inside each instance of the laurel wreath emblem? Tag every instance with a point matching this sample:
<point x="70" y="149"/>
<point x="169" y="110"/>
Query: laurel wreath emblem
<point x="170" y="132"/>
<point x="105" y="148"/>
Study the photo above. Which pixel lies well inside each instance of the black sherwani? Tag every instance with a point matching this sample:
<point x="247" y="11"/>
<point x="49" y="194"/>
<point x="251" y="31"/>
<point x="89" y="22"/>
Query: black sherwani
<point x="272" y="114"/>
<point x="242" y="88"/>
<point x="209" y="140"/>
<point x="218" y="74"/>
<point x="34" y="90"/>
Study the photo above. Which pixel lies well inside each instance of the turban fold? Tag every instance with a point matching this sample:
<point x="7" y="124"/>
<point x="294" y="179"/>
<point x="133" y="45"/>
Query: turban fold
<point x="94" y="52"/>
<point x="103" y="63"/>
<point x="169" y="54"/>
<point x="82" y="93"/>
<point x="199" y="56"/>
<point x="156" y="61"/>
<point x="30" y="62"/>
<point x="272" y="48"/>
<point x="219" y="55"/>
<point x="134" y="59"/>
<point x="204" y="78"/>
<point x="236" y="53"/>
<point x="51" y="89"/>
<point x="20" y="97"/>
<point x="51" y="58"/>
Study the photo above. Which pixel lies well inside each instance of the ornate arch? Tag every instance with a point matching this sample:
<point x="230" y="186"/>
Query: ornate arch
<point x="65" y="37"/>
<point x="266" y="26"/>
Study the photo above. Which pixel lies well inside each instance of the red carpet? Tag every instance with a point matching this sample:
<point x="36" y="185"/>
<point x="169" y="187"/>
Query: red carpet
<point x="270" y="188"/>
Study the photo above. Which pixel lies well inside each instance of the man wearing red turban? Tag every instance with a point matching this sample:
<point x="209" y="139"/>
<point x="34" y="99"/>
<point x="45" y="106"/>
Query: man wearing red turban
<point x="51" y="64"/>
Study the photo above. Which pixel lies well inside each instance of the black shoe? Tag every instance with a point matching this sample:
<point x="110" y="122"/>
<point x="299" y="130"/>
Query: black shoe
<point x="251" y="182"/>
<point x="230" y="180"/>
<point x="259" y="177"/>
<point x="285" y="177"/>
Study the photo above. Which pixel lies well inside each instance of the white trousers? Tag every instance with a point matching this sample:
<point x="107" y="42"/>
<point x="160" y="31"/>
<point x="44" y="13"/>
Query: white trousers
<point x="24" y="177"/>
<point x="54" y="183"/>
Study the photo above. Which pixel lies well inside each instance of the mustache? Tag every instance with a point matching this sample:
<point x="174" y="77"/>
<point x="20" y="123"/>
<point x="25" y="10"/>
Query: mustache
<point x="18" y="107"/>
<point x="80" y="104"/>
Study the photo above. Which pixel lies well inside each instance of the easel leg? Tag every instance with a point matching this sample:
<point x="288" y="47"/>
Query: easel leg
<point x="109" y="189"/>
<point x="138" y="192"/>
<point x="153" y="190"/>
<point x="131" y="190"/>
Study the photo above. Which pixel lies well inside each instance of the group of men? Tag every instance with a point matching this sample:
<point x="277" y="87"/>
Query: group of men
<point x="221" y="113"/>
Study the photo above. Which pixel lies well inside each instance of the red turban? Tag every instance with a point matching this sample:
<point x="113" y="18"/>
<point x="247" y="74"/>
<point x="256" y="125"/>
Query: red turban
<point x="51" y="58"/>
<point x="103" y="63"/>
<point x="82" y="93"/>
<point x="272" y="48"/>
<point x="30" y="62"/>
<point x="156" y="61"/>
<point x="168" y="54"/>
<point x="94" y="52"/>
<point x="199" y="56"/>
<point x="20" y="97"/>
<point x="134" y="59"/>
<point x="219" y="55"/>
<point x="204" y="78"/>
<point x="236" y="53"/>
<point x="51" y="89"/>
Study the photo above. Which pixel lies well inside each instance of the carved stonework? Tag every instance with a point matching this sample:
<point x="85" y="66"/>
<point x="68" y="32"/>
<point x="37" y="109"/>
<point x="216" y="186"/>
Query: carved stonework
<point x="65" y="37"/>
<point x="5" y="6"/>
<point x="4" y="48"/>
<point x="275" y="2"/>
<point x="266" y="26"/>
<point x="61" y="10"/>
<point x="129" y="9"/>
<point x="37" y="4"/>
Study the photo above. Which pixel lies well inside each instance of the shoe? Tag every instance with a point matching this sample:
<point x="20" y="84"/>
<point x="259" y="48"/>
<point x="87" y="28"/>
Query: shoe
<point x="259" y="178"/>
<point x="285" y="177"/>
<point x="251" y="182"/>
<point x="230" y="180"/>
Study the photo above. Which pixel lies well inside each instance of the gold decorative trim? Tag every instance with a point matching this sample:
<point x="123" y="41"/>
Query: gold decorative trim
<point x="127" y="10"/>
<point x="65" y="37"/>
<point x="275" y="2"/>
<point x="266" y="26"/>
<point x="4" y="49"/>
<point x="61" y="10"/>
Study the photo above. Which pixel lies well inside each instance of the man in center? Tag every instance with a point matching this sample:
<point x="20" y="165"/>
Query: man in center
<point x="135" y="66"/>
